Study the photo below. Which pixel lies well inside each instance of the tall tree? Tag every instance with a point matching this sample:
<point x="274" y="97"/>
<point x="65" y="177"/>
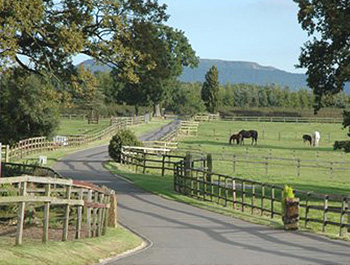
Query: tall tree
<point x="210" y="90"/>
<point x="327" y="56"/>
<point x="28" y="107"/>
<point x="170" y="51"/>
<point x="47" y="33"/>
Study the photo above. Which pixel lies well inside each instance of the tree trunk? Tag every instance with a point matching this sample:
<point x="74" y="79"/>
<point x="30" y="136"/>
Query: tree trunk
<point x="136" y="110"/>
<point x="157" y="110"/>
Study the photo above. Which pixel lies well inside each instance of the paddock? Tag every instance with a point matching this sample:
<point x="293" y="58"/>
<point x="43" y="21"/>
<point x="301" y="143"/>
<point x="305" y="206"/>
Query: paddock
<point x="280" y="157"/>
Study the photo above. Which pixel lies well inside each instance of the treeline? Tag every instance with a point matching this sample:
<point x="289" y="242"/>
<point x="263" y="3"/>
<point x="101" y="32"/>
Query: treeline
<point x="187" y="98"/>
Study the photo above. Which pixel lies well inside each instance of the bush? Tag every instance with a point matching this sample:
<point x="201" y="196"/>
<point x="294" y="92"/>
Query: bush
<point x="123" y="137"/>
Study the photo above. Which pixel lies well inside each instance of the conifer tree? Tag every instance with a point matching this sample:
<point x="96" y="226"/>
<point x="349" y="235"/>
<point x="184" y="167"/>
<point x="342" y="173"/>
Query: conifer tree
<point x="210" y="90"/>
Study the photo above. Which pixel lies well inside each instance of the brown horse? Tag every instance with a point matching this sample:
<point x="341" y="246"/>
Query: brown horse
<point x="249" y="134"/>
<point x="235" y="137"/>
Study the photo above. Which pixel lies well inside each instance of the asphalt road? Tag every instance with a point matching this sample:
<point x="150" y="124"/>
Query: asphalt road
<point x="181" y="234"/>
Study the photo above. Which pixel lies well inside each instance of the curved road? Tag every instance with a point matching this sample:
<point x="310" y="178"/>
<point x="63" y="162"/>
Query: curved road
<point x="182" y="234"/>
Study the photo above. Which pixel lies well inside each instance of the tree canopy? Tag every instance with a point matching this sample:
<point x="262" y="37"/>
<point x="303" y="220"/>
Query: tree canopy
<point x="47" y="33"/>
<point x="327" y="55"/>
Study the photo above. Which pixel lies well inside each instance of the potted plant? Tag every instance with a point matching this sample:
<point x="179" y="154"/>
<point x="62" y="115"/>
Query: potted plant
<point x="290" y="209"/>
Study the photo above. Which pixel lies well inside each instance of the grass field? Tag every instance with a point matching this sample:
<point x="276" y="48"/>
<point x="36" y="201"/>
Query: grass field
<point x="85" y="251"/>
<point x="79" y="126"/>
<point x="276" y="141"/>
<point x="53" y="156"/>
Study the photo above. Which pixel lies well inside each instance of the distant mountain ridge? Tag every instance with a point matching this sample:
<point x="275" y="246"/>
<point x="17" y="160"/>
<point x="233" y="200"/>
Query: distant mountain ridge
<point x="232" y="72"/>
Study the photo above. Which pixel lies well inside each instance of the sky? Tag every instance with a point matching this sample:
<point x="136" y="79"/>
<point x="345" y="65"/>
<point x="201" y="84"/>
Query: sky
<point x="262" y="31"/>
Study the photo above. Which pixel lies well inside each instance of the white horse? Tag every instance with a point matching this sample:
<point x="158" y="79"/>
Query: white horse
<point x="316" y="138"/>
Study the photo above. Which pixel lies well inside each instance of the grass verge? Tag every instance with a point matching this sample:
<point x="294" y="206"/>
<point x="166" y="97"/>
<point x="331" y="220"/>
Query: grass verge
<point x="86" y="251"/>
<point x="163" y="186"/>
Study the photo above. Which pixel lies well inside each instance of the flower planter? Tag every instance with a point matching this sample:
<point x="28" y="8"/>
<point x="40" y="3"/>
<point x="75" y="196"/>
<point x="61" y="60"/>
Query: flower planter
<point x="291" y="214"/>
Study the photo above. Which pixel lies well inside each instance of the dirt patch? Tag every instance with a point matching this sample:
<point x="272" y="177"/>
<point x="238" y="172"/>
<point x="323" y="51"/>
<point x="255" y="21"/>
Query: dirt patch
<point x="35" y="232"/>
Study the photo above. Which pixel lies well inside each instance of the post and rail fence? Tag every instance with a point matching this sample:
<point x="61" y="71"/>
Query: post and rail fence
<point x="60" y="195"/>
<point x="194" y="177"/>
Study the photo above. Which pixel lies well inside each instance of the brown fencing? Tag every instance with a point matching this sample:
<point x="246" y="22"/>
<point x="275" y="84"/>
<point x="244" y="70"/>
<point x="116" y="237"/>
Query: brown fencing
<point x="263" y="165"/>
<point x="65" y="194"/>
<point x="283" y="119"/>
<point x="40" y="144"/>
<point x="260" y="198"/>
<point x="194" y="177"/>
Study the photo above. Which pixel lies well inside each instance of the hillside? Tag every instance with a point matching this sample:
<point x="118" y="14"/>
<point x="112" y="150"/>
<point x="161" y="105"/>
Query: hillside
<point x="244" y="72"/>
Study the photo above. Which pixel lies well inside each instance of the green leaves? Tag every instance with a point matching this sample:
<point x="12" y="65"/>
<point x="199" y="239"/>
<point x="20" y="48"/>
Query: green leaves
<point x="327" y="56"/>
<point x="210" y="90"/>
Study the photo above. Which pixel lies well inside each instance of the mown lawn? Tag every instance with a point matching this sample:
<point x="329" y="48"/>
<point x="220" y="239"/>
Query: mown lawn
<point x="80" y="126"/>
<point x="85" y="251"/>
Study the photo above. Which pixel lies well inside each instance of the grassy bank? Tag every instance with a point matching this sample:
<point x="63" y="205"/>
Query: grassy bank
<point x="87" y="251"/>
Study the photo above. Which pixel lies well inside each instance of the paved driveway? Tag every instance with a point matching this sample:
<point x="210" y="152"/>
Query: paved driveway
<point x="181" y="234"/>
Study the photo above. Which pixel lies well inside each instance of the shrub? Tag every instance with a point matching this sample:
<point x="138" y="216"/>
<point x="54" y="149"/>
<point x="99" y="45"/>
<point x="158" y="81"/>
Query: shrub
<point x="123" y="137"/>
<point x="287" y="193"/>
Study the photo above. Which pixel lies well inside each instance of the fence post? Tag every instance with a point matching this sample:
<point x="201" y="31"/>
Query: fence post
<point x="144" y="162"/>
<point x="272" y="201"/>
<point x="20" y="214"/>
<point x="307" y="207"/>
<point x="262" y="198"/>
<point x="112" y="212"/>
<point x="188" y="164"/>
<point x="88" y="213"/>
<point x="325" y="210"/>
<point x="266" y="166"/>
<point x="253" y="197"/>
<point x="163" y="165"/>
<point x="46" y="214"/>
<point x="298" y="167"/>
<point x="234" y="198"/>
<point x="331" y="169"/>
<point x="66" y="215"/>
<point x="344" y="208"/>
<point x="234" y="164"/>
<point x="79" y="215"/>
<point x="243" y="195"/>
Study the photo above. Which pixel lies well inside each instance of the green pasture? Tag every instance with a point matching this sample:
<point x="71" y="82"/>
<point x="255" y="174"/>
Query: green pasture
<point x="53" y="156"/>
<point x="319" y="170"/>
<point x="80" y="126"/>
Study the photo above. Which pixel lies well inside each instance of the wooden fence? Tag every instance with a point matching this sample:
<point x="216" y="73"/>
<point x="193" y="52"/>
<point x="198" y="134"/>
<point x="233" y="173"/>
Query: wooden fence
<point x="41" y="144"/>
<point x="143" y="158"/>
<point x="283" y="119"/>
<point x="206" y="117"/>
<point x="259" y="198"/>
<point x="265" y="164"/>
<point x="66" y="193"/>
<point x="189" y="127"/>
<point x="194" y="177"/>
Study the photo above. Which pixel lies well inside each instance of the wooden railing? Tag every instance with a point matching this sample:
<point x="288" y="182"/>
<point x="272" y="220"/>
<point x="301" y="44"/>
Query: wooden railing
<point x="40" y="144"/>
<point x="260" y="198"/>
<point x="283" y="119"/>
<point x="189" y="127"/>
<point x="143" y="158"/>
<point x="195" y="177"/>
<point x="59" y="195"/>
<point x="206" y="117"/>
<point x="265" y="164"/>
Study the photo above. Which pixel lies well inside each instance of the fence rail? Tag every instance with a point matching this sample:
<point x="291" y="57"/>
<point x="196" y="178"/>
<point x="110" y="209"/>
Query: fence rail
<point x="39" y="144"/>
<point x="64" y="193"/>
<point x="283" y="119"/>
<point x="194" y="177"/>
